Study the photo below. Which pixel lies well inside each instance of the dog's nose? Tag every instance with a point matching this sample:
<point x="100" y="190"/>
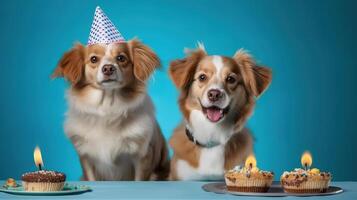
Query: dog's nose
<point x="108" y="69"/>
<point x="214" y="95"/>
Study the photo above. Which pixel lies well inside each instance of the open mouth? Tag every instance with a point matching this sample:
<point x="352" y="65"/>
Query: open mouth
<point x="214" y="113"/>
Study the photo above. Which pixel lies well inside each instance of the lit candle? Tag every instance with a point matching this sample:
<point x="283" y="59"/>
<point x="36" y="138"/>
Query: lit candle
<point x="306" y="160"/>
<point x="250" y="162"/>
<point x="38" y="158"/>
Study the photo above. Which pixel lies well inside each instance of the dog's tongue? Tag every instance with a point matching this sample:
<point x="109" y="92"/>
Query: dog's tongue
<point x="214" y="114"/>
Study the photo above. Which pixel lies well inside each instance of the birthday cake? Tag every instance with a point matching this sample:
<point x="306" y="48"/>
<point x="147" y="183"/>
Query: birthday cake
<point x="243" y="179"/>
<point x="305" y="181"/>
<point x="43" y="181"/>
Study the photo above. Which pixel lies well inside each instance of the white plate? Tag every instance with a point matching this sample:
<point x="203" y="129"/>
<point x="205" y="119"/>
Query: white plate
<point x="275" y="191"/>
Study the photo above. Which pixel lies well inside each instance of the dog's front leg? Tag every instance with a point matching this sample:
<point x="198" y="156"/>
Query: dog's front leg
<point x="143" y="168"/>
<point x="142" y="160"/>
<point x="88" y="171"/>
<point x="139" y="169"/>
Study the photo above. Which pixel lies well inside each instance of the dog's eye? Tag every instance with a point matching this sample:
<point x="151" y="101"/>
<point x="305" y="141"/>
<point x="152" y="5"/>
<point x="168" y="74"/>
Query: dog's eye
<point x="230" y="79"/>
<point x="121" y="58"/>
<point x="94" y="59"/>
<point x="202" y="77"/>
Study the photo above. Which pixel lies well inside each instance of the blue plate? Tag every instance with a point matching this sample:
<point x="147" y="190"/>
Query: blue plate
<point x="68" y="189"/>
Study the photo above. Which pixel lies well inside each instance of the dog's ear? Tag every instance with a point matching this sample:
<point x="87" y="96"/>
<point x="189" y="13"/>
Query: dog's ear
<point x="182" y="71"/>
<point x="145" y="61"/>
<point x="71" y="65"/>
<point x="256" y="78"/>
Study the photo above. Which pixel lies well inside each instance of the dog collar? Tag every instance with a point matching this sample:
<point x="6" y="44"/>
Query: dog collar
<point x="193" y="140"/>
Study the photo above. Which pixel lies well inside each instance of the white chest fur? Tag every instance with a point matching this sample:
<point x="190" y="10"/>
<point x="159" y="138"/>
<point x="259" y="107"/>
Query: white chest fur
<point x="108" y="130"/>
<point x="211" y="161"/>
<point x="211" y="165"/>
<point x="104" y="140"/>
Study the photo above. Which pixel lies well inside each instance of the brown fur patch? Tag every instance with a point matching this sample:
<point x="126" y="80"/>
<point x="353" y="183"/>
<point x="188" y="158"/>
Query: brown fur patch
<point x="256" y="78"/>
<point x="238" y="147"/>
<point x="244" y="113"/>
<point x="183" y="148"/>
<point x="182" y="70"/>
<point x="71" y="65"/>
<point x="182" y="73"/>
<point x="144" y="59"/>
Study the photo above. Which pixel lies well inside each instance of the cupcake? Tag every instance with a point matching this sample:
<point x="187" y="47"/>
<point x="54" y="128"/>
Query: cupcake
<point x="248" y="178"/>
<point x="43" y="181"/>
<point x="305" y="181"/>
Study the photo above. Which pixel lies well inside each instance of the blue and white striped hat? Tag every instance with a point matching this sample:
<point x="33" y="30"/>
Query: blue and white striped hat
<point x="103" y="31"/>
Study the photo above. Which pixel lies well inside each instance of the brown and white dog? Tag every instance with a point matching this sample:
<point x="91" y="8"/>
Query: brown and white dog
<point x="111" y="119"/>
<point x="217" y="97"/>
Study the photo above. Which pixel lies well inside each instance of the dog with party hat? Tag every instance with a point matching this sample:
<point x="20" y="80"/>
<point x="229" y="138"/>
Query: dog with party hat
<point x="111" y="119"/>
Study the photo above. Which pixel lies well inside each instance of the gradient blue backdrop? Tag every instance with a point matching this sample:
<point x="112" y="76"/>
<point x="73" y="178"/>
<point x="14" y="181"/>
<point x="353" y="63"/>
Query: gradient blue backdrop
<point x="310" y="45"/>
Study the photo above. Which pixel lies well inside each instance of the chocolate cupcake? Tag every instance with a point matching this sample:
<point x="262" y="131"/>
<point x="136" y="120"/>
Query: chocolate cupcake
<point x="43" y="181"/>
<point x="305" y="181"/>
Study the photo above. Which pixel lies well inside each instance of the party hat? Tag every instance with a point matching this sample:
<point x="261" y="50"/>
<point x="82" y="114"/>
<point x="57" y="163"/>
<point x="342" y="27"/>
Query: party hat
<point x="103" y="31"/>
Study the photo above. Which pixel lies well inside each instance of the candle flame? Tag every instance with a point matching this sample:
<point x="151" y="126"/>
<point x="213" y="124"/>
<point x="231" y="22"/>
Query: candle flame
<point x="250" y="162"/>
<point x="306" y="159"/>
<point x="37" y="157"/>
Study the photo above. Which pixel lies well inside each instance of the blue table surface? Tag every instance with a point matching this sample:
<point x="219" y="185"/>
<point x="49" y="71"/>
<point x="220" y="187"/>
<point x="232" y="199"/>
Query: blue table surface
<point x="169" y="190"/>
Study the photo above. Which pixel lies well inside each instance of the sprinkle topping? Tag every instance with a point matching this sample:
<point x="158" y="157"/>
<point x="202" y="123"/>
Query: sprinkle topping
<point x="250" y="171"/>
<point x="44" y="176"/>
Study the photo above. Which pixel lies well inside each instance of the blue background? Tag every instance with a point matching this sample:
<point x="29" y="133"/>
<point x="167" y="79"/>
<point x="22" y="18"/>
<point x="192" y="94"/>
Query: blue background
<point x="310" y="45"/>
